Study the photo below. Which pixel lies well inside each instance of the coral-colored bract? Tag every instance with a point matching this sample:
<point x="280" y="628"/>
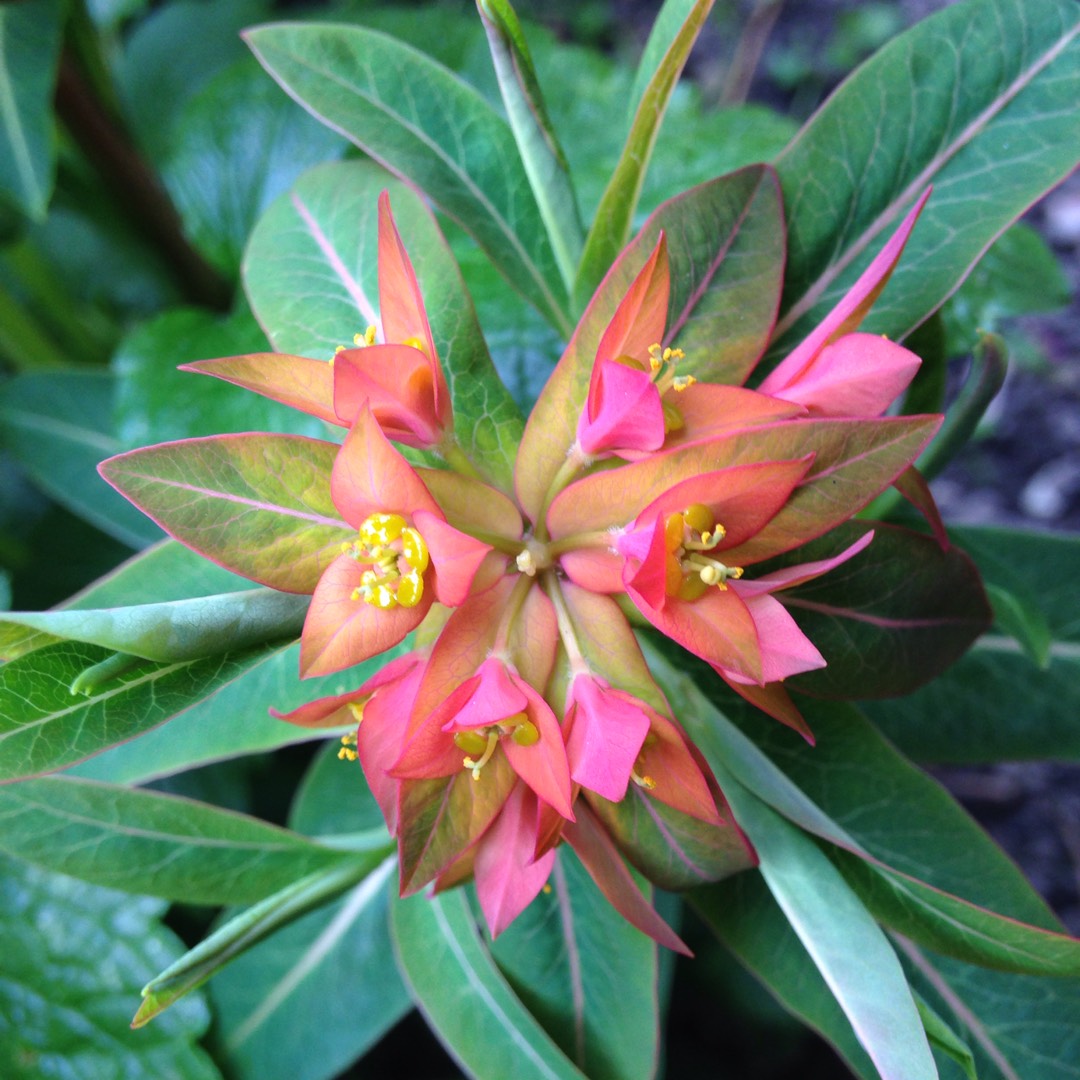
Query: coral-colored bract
<point x="525" y="710"/>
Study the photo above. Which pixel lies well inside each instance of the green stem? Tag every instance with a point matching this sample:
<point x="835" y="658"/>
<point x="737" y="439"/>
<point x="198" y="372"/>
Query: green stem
<point x="573" y="463"/>
<point x="594" y="539"/>
<point x="451" y="452"/>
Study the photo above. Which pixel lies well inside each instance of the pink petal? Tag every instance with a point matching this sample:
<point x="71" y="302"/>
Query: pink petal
<point x="785" y="649"/>
<point x="508" y="879"/>
<point x="649" y="578"/>
<point x="495" y="697"/>
<point x="717" y="626"/>
<point x="857" y="375"/>
<point x="543" y="765"/>
<point x="397" y="384"/>
<point x="455" y="556"/>
<point x="851" y="309"/>
<point x="791" y="576"/>
<point x="595" y="569"/>
<point x="627" y="414"/>
<point x="609" y="728"/>
<point x="339" y="631"/>
<point x="370" y="476"/>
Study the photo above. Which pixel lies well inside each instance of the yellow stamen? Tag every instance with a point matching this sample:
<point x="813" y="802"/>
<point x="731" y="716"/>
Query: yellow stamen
<point x="397" y="556"/>
<point x="362" y="341"/>
<point x="689" y="573"/>
<point x="476" y="766"/>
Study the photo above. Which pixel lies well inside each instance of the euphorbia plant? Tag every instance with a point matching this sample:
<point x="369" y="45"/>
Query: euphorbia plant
<point x="554" y="646"/>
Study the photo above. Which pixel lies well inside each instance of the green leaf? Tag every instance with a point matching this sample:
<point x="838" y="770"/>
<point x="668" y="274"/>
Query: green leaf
<point x="161" y="845"/>
<point x="725" y="244"/>
<point x="311" y="273"/>
<point x="543" y="158"/>
<point x="981" y="96"/>
<point x="177" y="629"/>
<point x="331" y="970"/>
<point x="1016" y="1026"/>
<point x="44" y="727"/>
<point x="465" y="997"/>
<point x="611" y="226"/>
<point x="942" y="1036"/>
<point x="231" y="723"/>
<point x="1021" y="618"/>
<point x="156" y="403"/>
<point x="56" y="426"/>
<point x="996" y="704"/>
<point x="74" y="958"/>
<point x="165" y="571"/>
<point x="889" y="619"/>
<point x="747" y="920"/>
<point x="428" y="127"/>
<point x="30" y="35"/>
<point x="171" y="54"/>
<point x="234" y="937"/>
<point x="847" y="946"/>
<point x="258" y="504"/>
<point x="238" y="117"/>
<point x="586" y="974"/>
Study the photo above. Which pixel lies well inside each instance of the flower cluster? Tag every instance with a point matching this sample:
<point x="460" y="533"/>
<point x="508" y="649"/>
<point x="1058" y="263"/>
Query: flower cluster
<point x="525" y="715"/>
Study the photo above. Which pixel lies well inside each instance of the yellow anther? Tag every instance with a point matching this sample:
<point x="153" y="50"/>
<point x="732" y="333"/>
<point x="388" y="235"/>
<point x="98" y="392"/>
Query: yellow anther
<point x="699" y="518"/>
<point x="415" y="343"/>
<point x="526" y="734"/>
<point x="410" y="589"/>
<point x="381" y="529"/>
<point x="472" y="742"/>
<point x="646" y="781"/>
<point x="680" y="383"/>
<point x="361" y="341"/>
<point x="546" y="889"/>
<point x="357" y="710"/>
<point x="414" y="549"/>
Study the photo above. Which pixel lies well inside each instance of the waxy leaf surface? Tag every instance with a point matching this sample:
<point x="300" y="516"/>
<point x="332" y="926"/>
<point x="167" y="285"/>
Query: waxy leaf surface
<point x="465" y="997"/>
<point x="44" y="727"/>
<point x="258" y="504"/>
<point x="146" y="842"/>
<point x="980" y="97"/>
<point x="429" y="127"/>
<point x="889" y="619"/>
<point x="74" y="958"/>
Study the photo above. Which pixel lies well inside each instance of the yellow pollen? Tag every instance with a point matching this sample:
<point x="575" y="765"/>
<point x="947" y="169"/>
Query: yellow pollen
<point x="646" y="781"/>
<point x="415" y="343"/>
<point x="362" y="341"/>
<point x="357" y="710"/>
<point x="347" y="753"/>
<point x="397" y="556"/>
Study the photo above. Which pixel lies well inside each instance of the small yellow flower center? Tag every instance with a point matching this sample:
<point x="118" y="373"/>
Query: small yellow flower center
<point x="398" y="556"/>
<point x="479" y="743"/>
<point x="690" y="571"/>
<point x="348" y="748"/>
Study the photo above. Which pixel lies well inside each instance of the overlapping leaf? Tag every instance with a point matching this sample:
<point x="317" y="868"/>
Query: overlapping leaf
<point x="586" y="974"/>
<point x="44" y="727"/>
<point x="979" y="98"/>
<point x="725" y="240"/>
<point x="74" y="958"/>
<point x="160" y="845"/>
<point x="258" y="504"/>
<point x="429" y="127"/>
<point x="30" y="36"/>
<point x="311" y="273"/>
<point x="465" y="997"/>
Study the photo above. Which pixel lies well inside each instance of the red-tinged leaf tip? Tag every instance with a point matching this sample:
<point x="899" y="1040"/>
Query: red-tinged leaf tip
<point x="641" y="316"/>
<point x="775" y="701"/>
<point x="913" y="486"/>
<point x="605" y="866"/>
<point x="297" y="381"/>
<point x="370" y="476"/>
